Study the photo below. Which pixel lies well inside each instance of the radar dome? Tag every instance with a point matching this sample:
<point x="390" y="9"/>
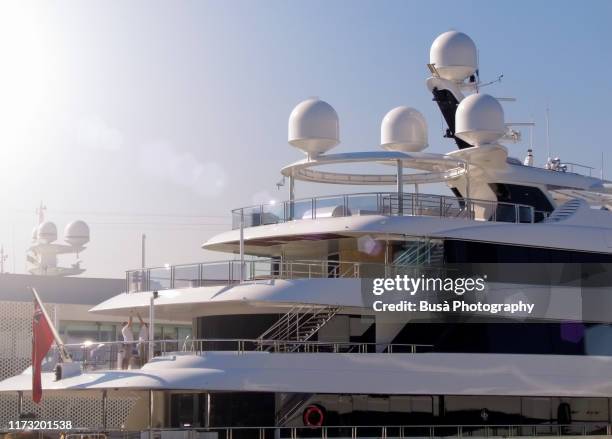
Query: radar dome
<point x="454" y="56"/>
<point x="480" y="119"/>
<point x="314" y="127"/>
<point x="77" y="233"/>
<point x="403" y="129"/>
<point x="47" y="232"/>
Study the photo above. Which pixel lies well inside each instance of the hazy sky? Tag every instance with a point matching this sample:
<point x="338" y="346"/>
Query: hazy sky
<point x="160" y="117"/>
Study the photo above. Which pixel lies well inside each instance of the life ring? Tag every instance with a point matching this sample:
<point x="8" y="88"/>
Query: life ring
<point x="313" y="416"/>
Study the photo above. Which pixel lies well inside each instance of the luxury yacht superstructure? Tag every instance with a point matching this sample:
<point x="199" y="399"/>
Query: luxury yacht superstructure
<point x="286" y="343"/>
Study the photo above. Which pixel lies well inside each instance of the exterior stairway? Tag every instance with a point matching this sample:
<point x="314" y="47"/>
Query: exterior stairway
<point x="424" y="252"/>
<point x="299" y="324"/>
<point x="291" y="406"/>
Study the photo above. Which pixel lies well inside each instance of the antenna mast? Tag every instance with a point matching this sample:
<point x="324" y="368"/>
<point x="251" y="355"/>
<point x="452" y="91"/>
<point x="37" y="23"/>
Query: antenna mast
<point x="41" y="213"/>
<point x="548" y="132"/>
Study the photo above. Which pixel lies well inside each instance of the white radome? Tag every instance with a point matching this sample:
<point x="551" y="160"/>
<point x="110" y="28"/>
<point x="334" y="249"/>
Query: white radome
<point x="47" y="232"/>
<point x="314" y="127"/>
<point x="77" y="233"/>
<point x="403" y="129"/>
<point x="454" y="56"/>
<point x="480" y="119"/>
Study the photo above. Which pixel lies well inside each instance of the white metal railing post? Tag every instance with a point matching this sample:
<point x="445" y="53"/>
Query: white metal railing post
<point x="151" y="334"/>
<point x="400" y="188"/>
<point x="517" y="218"/>
<point x="291" y="197"/>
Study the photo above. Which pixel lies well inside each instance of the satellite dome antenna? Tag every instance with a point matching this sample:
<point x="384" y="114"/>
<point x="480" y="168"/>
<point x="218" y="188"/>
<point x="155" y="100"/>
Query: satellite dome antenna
<point x="314" y="127"/>
<point x="454" y="56"/>
<point x="480" y="120"/>
<point x="42" y="255"/>
<point x="403" y="129"/>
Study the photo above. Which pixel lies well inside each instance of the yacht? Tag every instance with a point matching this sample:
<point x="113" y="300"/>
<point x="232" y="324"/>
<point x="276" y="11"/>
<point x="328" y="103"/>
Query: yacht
<point x="287" y="341"/>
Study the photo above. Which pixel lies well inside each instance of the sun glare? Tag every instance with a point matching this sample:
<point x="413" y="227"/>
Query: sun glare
<point x="24" y="75"/>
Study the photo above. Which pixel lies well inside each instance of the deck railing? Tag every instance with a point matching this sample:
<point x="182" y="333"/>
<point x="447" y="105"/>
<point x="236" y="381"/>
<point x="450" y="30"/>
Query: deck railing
<point x="120" y="355"/>
<point x="228" y="272"/>
<point x="593" y="429"/>
<point x="382" y="203"/>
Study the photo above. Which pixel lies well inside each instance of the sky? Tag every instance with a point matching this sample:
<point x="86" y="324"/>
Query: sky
<point x="160" y="117"/>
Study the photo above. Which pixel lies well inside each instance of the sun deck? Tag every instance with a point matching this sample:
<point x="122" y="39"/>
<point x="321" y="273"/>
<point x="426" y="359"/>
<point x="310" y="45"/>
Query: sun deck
<point x="228" y="272"/>
<point x="383" y="203"/>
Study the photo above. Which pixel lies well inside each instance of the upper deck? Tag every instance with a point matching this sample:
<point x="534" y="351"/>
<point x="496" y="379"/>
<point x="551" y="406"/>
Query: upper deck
<point x="383" y="203"/>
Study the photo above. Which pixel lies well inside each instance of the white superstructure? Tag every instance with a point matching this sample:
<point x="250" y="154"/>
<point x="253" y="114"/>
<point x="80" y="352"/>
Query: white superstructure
<point x="287" y="329"/>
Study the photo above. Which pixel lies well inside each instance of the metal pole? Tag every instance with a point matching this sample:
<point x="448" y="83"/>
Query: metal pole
<point x="207" y="415"/>
<point x="142" y="249"/>
<point x="151" y="325"/>
<point x="400" y="188"/>
<point x="104" y="409"/>
<point x="548" y="133"/>
<point x="150" y="413"/>
<point x="20" y="404"/>
<point x="467" y="179"/>
<point x="291" y="196"/>
<point x="241" y="245"/>
<point x="55" y="316"/>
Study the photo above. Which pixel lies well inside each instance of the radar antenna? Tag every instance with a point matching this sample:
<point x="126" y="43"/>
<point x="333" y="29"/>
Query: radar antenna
<point x="499" y="79"/>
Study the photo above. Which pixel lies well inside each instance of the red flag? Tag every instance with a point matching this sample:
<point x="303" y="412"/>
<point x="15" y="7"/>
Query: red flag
<point x="42" y="339"/>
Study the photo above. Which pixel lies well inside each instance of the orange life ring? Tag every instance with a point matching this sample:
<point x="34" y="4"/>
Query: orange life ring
<point x="313" y="416"/>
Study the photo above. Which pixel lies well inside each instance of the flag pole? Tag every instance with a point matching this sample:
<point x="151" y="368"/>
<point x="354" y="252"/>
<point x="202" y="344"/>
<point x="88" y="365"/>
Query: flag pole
<point x="58" y="341"/>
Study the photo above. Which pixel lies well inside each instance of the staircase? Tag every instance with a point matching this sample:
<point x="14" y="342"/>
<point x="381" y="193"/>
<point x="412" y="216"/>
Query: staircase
<point x="291" y="406"/>
<point x="566" y="210"/>
<point x="424" y="252"/>
<point x="299" y="324"/>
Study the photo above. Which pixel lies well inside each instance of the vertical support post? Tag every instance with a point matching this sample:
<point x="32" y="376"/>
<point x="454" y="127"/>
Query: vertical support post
<point x="19" y="404"/>
<point x="142" y="250"/>
<point x="241" y="245"/>
<point x="291" y="197"/>
<point x="400" y="188"/>
<point x="207" y="415"/>
<point x="151" y="325"/>
<point x="467" y="180"/>
<point x="150" y="414"/>
<point x="56" y="316"/>
<point x="104" y="409"/>
<point x="517" y="214"/>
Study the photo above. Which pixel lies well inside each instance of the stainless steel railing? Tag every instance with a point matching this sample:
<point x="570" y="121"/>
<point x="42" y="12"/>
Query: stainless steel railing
<point x="228" y="272"/>
<point x="601" y="429"/>
<point x="382" y="203"/>
<point x="109" y="355"/>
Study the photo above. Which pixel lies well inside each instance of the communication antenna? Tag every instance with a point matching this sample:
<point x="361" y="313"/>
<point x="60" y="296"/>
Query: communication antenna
<point x="548" y="132"/>
<point x="40" y="211"/>
<point x="499" y="79"/>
